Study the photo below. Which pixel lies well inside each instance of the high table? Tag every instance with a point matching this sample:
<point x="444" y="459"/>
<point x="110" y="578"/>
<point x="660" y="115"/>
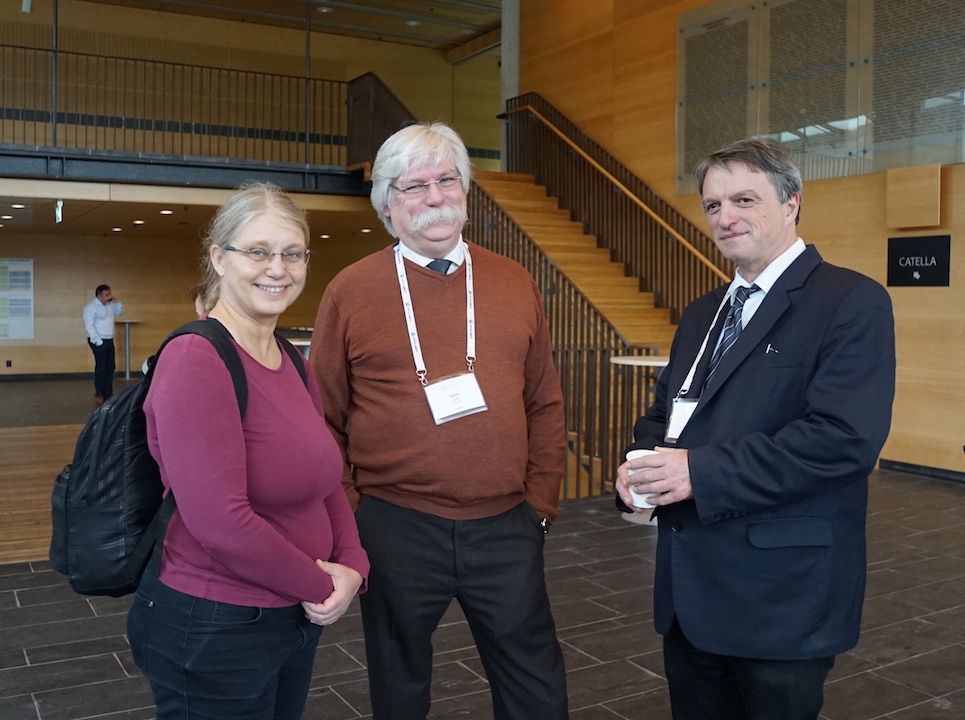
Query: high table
<point x="652" y="364"/>
<point x="127" y="344"/>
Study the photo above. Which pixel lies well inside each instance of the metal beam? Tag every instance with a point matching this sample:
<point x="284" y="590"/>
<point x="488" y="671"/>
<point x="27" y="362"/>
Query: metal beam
<point x="57" y="164"/>
<point x="474" y="47"/>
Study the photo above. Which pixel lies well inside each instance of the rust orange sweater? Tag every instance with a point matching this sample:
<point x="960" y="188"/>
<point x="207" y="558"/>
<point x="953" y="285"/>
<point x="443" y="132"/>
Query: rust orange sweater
<point x="476" y="466"/>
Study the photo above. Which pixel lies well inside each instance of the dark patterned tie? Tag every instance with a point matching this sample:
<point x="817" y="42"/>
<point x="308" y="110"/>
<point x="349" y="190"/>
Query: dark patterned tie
<point x="732" y="327"/>
<point x="440" y="266"/>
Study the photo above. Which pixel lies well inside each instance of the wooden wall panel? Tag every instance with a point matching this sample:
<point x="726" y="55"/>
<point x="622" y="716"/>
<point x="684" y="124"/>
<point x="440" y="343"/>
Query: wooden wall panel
<point x="616" y="78"/>
<point x="476" y="103"/>
<point x="152" y="276"/>
<point x="914" y="196"/>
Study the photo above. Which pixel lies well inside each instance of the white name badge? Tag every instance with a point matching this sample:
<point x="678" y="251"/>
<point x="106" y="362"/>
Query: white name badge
<point x="454" y="397"/>
<point x="680" y="411"/>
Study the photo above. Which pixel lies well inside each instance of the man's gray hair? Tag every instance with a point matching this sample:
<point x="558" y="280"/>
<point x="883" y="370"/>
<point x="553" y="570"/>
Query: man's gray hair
<point x="410" y="148"/>
<point x="761" y="156"/>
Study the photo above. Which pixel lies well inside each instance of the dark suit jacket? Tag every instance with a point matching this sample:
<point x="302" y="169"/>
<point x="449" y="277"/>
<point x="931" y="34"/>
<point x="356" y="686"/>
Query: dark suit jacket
<point x="768" y="559"/>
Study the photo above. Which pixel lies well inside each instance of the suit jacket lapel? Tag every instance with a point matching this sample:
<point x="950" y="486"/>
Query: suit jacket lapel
<point x="774" y="306"/>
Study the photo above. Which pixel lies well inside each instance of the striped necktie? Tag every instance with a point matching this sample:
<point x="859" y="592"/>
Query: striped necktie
<point x="732" y="327"/>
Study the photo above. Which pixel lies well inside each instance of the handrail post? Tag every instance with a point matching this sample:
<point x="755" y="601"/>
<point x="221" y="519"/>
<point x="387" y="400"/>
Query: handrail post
<point x="53" y="72"/>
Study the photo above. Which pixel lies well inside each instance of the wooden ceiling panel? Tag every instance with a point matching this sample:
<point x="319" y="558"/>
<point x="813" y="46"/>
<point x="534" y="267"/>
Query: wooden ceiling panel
<point x="438" y="24"/>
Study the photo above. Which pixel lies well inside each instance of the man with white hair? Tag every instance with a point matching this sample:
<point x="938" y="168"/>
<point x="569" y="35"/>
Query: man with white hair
<point x="437" y="380"/>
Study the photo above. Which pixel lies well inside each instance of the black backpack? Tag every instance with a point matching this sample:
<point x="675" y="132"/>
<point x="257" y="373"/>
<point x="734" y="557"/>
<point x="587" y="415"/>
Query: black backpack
<point x="107" y="504"/>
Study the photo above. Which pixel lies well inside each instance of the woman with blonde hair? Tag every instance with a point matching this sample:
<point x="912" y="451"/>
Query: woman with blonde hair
<point x="262" y="550"/>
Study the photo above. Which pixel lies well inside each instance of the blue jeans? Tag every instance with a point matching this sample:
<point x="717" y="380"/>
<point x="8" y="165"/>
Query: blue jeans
<point x="207" y="660"/>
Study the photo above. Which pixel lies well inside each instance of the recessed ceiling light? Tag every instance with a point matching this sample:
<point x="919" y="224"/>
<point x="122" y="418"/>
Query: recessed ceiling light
<point x="116" y="229"/>
<point x="18" y="206"/>
<point x="326" y="236"/>
<point x="6" y="217"/>
<point x="366" y="230"/>
<point x="1" y="224"/>
<point x="325" y="9"/>
<point x="138" y="222"/>
<point x="167" y="212"/>
<point x="413" y="23"/>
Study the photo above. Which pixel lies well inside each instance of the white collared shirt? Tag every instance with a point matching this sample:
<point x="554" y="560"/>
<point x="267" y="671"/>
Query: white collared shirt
<point x="99" y="319"/>
<point x="457" y="255"/>
<point x="765" y="281"/>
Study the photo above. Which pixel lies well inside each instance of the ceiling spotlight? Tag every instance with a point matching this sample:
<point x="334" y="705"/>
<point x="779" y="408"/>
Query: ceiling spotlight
<point x="116" y="229"/>
<point x="366" y="230"/>
<point x="326" y="236"/>
<point x="1" y="224"/>
<point x="325" y="9"/>
<point x="18" y="206"/>
<point x="413" y="23"/>
<point x="6" y="217"/>
<point x="138" y="222"/>
<point x="167" y="212"/>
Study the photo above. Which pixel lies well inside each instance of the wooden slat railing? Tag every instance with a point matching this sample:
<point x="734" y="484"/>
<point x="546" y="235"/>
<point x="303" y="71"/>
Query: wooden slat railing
<point x="673" y="258"/>
<point x="601" y="400"/>
<point x="114" y="104"/>
<point x="376" y="113"/>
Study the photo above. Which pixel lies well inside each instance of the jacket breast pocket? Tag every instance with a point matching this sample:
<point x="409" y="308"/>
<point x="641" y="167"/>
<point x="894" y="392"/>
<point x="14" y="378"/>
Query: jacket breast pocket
<point x="776" y="360"/>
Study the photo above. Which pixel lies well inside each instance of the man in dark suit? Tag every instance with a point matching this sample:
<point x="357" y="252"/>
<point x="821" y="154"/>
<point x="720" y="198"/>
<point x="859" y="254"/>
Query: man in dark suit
<point x="767" y="422"/>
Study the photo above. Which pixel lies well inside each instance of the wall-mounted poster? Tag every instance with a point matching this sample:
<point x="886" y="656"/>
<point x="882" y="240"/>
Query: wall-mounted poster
<point x="16" y="299"/>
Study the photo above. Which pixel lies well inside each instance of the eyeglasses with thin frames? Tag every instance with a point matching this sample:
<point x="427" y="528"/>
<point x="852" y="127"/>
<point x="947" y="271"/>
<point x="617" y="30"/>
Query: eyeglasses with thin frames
<point x="263" y="257"/>
<point x="448" y="182"/>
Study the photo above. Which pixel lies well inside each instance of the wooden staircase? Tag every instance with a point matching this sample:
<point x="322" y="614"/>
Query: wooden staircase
<point x="576" y="254"/>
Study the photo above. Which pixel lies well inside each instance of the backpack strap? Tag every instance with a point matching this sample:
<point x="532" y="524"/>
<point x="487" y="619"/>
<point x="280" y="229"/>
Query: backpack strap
<point x="218" y="335"/>
<point x="298" y="360"/>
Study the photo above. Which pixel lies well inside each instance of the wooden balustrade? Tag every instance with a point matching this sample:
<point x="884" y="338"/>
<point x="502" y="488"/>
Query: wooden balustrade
<point x="601" y="400"/>
<point x="101" y="103"/>
<point x="671" y="257"/>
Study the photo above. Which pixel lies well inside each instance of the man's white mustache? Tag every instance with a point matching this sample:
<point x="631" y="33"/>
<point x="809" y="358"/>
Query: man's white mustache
<point x="447" y="215"/>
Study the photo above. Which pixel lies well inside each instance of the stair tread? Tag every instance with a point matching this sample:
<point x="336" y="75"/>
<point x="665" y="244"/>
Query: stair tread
<point x="578" y="256"/>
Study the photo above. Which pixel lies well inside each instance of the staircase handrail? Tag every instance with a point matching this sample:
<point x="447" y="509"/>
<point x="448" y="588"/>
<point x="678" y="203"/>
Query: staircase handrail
<point x="369" y="127"/>
<point x="536" y="249"/>
<point x="621" y="187"/>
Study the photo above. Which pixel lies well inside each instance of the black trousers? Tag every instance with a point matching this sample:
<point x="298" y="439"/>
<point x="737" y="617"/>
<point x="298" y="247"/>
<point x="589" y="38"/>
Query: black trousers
<point x="494" y="568"/>
<point x="103" y="367"/>
<point x="208" y="660"/>
<point x="706" y="686"/>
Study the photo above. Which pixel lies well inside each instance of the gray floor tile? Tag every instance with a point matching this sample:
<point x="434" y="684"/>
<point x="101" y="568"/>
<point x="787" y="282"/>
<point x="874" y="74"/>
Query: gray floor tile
<point x="82" y="648"/>
<point x="909" y="665"/>
<point x="936" y="673"/>
<point x="127" y="698"/>
<point x="21" y="707"/>
<point x="865" y="696"/>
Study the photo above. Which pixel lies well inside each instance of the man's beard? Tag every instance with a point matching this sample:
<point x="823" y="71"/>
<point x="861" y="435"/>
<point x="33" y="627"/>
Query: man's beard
<point x="445" y="215"/>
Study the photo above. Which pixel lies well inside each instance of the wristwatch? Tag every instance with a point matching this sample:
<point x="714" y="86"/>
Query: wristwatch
<point x="545" y="524"/>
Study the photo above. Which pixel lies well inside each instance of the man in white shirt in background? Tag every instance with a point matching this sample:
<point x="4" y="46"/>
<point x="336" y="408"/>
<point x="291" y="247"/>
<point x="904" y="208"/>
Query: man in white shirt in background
<point x="99" y="316"/>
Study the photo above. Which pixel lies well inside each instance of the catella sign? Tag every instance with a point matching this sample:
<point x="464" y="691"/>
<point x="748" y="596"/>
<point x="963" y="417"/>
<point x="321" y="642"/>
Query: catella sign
<point x="931" y="261"/>
<point x="923" y="260"/>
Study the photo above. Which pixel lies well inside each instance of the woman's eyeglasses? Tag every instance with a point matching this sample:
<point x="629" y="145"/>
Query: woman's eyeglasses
<point x="263" y="257"/>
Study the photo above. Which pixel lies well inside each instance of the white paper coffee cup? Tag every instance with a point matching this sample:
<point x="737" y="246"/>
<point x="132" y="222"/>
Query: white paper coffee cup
<point x="639" y="500"/>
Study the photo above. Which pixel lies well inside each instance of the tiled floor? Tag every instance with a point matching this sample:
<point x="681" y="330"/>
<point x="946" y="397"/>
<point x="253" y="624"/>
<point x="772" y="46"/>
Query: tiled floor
<point x="65" y="657"/>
